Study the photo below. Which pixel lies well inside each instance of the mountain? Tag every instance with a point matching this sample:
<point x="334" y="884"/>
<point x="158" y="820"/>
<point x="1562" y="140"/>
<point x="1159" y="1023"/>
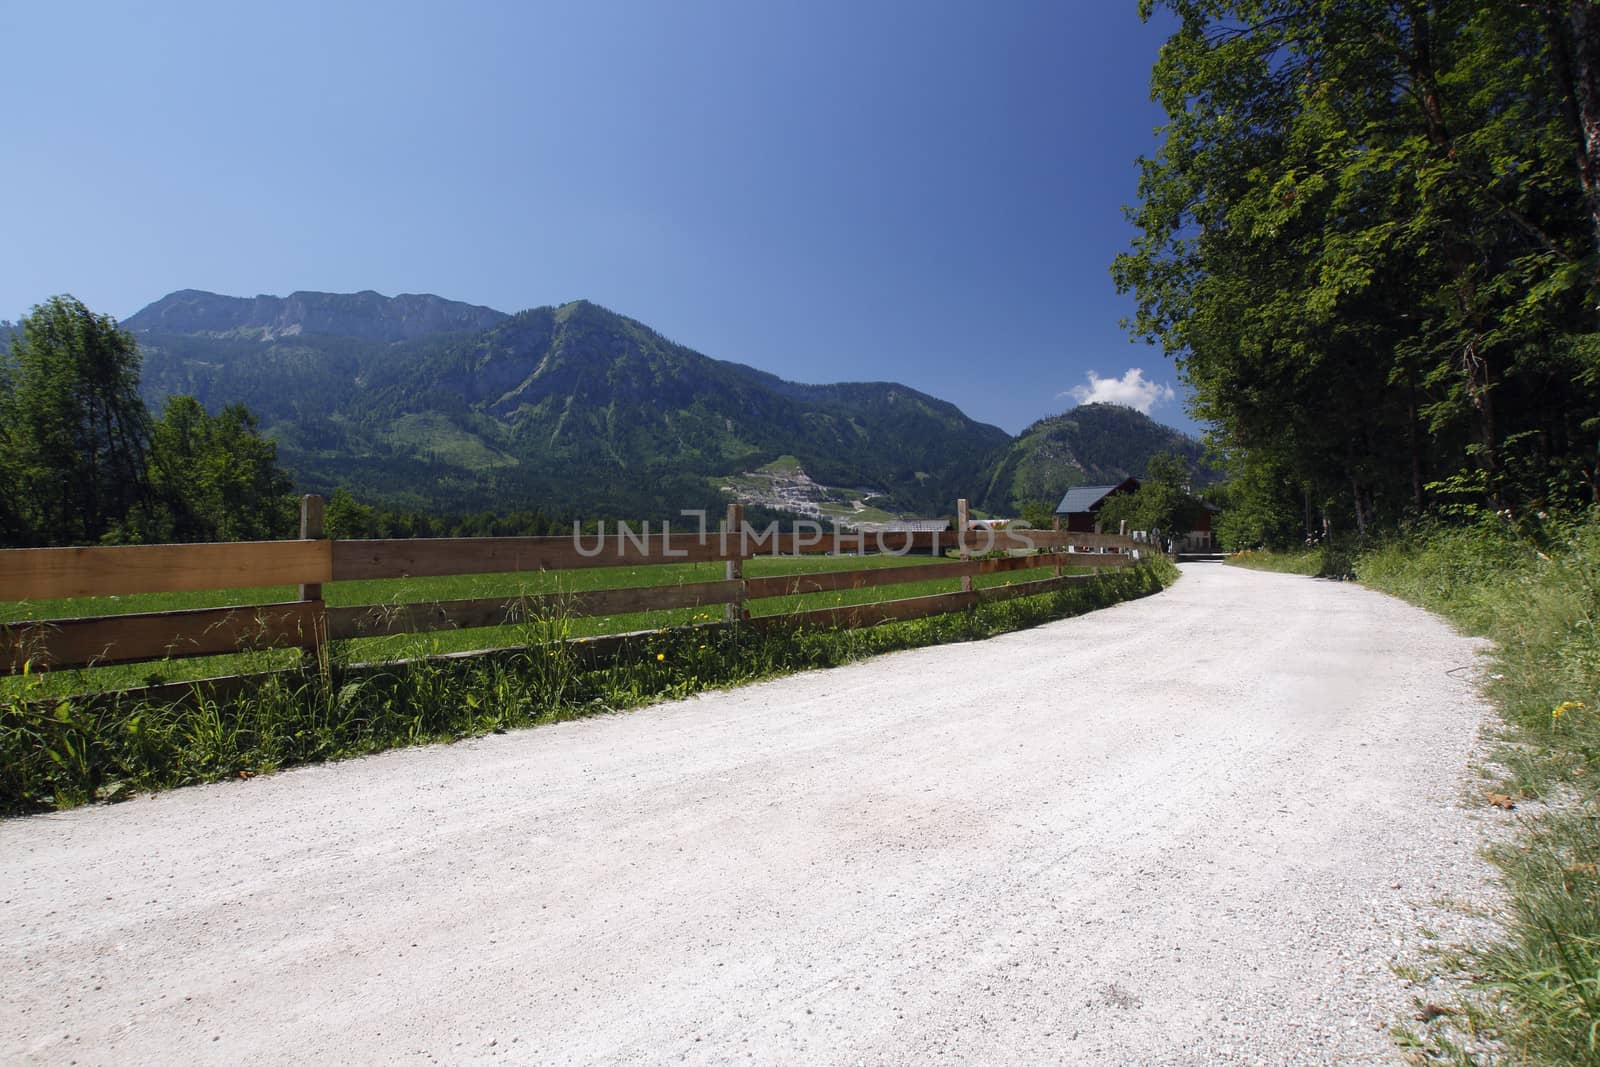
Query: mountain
<point x="417" y="401"/>
<point x="429" y="403"/>
<point x="1094" y="444"/>
<point x="364" y="316"/>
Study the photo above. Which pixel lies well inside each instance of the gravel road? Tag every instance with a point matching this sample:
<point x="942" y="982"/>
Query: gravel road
<point x="1196" y="828"/>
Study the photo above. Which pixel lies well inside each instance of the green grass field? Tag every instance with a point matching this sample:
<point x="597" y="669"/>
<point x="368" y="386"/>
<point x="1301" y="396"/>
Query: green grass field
<point x="425" y="590"/>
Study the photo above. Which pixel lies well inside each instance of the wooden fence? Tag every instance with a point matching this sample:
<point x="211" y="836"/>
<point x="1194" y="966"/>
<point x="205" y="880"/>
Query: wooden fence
<point x="313" y="561"/>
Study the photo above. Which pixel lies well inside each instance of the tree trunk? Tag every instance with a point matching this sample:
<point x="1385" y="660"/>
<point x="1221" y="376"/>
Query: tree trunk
<point x="1414" y="443"/>
<point x="1572" y="31"/>
<point x="1361" y="511"/>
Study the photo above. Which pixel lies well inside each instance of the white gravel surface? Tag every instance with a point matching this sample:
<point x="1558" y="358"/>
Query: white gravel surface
<point x="1196" y="828"/>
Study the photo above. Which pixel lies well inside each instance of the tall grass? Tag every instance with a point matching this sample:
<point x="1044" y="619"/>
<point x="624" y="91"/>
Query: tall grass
<point x="62" y="752"/>
<point x="1322" y="561"/>
<point x="1534" y="589"/>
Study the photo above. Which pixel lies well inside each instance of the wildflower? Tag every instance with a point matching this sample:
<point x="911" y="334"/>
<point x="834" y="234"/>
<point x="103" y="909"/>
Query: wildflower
<point x="1564" y="708"/>
<point x="660" y="656"/>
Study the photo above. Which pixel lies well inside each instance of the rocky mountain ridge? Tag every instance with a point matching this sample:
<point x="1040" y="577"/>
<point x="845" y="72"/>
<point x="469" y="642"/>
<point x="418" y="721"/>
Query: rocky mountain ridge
<point x="364" y="316"/>
<point x="424" y="402"/>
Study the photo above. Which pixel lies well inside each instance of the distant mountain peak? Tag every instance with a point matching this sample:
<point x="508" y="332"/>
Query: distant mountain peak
<point x="1103" y="409"/>
<point x="570" y="407"/>
<point x="1100" y="443"/>
<point x="366" y="316"/>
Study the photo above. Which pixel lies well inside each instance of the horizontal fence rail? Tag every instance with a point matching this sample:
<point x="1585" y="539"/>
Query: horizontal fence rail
<point x="378" y="619"/>
<point x="308" y="623"/>
<point x="62" y="573"/>
<point x="1006" y="540"/>
<point x="62" y="643"/>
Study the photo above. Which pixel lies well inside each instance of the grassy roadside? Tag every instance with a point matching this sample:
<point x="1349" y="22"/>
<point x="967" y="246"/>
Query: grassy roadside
<point x="1534" y="590"/>
<point x="77" y="752"/>
<point x="1307" y="562"/>
<point x="1311" y="562"/>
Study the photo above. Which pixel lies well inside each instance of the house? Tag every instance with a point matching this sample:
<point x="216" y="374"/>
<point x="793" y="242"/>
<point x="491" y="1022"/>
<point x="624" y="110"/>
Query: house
<point x="1201" y="538"/>
<point x="1079" y="510"/>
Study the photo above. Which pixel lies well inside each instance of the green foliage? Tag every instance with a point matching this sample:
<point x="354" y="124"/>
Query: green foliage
<point x="344" y="518"/>
<point x="1366" y="242"/>
<point x="1320" y="561"/>
<point x="347" y="517"/>
<point x="73" y="431"/>
<point x="1305" y="561"/>
<point x="1039" y="514"/>
<point x="1162" y="501"/>
<point x="81" y="462"/>
<point x="214" y="478"/>
<point x="1262" y="507"/>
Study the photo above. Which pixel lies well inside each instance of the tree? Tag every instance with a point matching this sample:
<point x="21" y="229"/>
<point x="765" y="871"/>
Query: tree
<point x="1039" y="514"/>
<point x="1366" y="240"/>
<point x="1162" y="501"/>
<point x="75" y="431"/>
<point x="1572" y="34"/>
<point x="215" y="478"/>
<point x="345" y="517"/>
<point x="1260" y="507"/>
<point x="13" y="530"/>
<point x="80" y="461"/>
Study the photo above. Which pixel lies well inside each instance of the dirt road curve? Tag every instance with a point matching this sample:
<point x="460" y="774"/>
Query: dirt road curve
<point x="1195" y="828"/>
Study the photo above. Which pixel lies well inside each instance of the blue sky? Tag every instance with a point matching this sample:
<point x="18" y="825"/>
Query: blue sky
<point x="925" y="192"/>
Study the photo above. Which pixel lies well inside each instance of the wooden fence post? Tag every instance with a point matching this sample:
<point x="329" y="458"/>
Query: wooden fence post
<point x="734" y="611"/>
<point x="961" y="541"/>
<point x="311" y="530"/>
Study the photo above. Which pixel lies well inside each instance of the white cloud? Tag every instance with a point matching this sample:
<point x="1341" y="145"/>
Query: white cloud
<point x="1131" y="390"/>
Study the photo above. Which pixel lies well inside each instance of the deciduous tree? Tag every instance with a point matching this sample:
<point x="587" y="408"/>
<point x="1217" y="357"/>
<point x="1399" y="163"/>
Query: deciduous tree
<point x="1367" y="239"/>
<point x="75" y="429"/>
<point x="215" y="478"/>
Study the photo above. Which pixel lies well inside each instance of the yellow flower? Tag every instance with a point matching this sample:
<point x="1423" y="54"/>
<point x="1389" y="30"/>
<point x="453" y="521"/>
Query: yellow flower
<point x="1563" y="708"/>
<point x="660" y="656"/>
